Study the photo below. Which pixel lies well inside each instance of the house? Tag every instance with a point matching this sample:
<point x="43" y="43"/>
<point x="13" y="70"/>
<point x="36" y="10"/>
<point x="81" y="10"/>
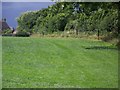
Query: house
<point x="4" y="25"/>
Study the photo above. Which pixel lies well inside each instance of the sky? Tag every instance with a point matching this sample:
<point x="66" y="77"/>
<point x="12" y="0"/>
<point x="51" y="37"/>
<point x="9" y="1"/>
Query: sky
<point x="0" y="10"/>
<point x="12" y="10"/>
<point x="26" y="0"/>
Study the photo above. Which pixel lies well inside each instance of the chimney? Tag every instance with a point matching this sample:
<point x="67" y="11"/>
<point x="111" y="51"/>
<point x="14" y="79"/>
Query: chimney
<point x="4" y="19"/>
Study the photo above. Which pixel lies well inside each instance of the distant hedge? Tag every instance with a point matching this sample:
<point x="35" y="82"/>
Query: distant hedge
<point x="22" y="34"/>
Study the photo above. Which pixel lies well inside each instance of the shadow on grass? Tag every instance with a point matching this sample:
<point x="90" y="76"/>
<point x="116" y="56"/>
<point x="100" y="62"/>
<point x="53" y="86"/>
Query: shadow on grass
<point x="102" y="48"/>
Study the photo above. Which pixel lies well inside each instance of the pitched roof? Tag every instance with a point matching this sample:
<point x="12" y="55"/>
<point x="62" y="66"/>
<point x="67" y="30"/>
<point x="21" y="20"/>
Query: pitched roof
<point x="4" y="25"/>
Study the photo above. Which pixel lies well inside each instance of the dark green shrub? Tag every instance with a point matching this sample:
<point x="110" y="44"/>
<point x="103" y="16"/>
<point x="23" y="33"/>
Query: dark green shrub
<point x="22" y="34"/>
<point x="7" y="32"/>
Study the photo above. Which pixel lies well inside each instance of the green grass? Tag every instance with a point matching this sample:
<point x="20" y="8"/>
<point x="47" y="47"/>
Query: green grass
<point x="59" y="63"/>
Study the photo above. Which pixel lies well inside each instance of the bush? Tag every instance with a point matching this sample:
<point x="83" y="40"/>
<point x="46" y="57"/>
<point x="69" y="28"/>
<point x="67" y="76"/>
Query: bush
<point x="22" y="34"/>
<point x="7" y="32"/>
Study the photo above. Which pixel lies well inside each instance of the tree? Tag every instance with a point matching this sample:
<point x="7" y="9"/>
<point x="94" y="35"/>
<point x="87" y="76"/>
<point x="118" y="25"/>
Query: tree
<point x="98" y="18"/>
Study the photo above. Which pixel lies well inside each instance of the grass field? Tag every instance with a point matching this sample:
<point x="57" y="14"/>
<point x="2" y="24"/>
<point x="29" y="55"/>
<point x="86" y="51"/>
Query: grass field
<point x="58" y="63"/>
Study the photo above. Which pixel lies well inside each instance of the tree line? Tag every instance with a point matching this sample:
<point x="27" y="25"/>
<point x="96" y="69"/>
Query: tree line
<point x="100" y="18"/>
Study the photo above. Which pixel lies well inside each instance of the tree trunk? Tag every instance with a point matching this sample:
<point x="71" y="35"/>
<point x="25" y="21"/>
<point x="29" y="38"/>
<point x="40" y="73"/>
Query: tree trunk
<point x="98" y="35"/>
<point x="76" y="32"/>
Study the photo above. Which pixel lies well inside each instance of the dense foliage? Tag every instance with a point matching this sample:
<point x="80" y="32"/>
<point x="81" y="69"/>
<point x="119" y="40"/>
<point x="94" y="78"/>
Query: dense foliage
<point x="92" y="18"/>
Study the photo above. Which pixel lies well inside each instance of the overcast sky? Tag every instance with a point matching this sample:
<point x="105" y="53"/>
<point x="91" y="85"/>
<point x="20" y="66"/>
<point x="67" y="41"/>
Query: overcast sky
<point x="12" y="10"/>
